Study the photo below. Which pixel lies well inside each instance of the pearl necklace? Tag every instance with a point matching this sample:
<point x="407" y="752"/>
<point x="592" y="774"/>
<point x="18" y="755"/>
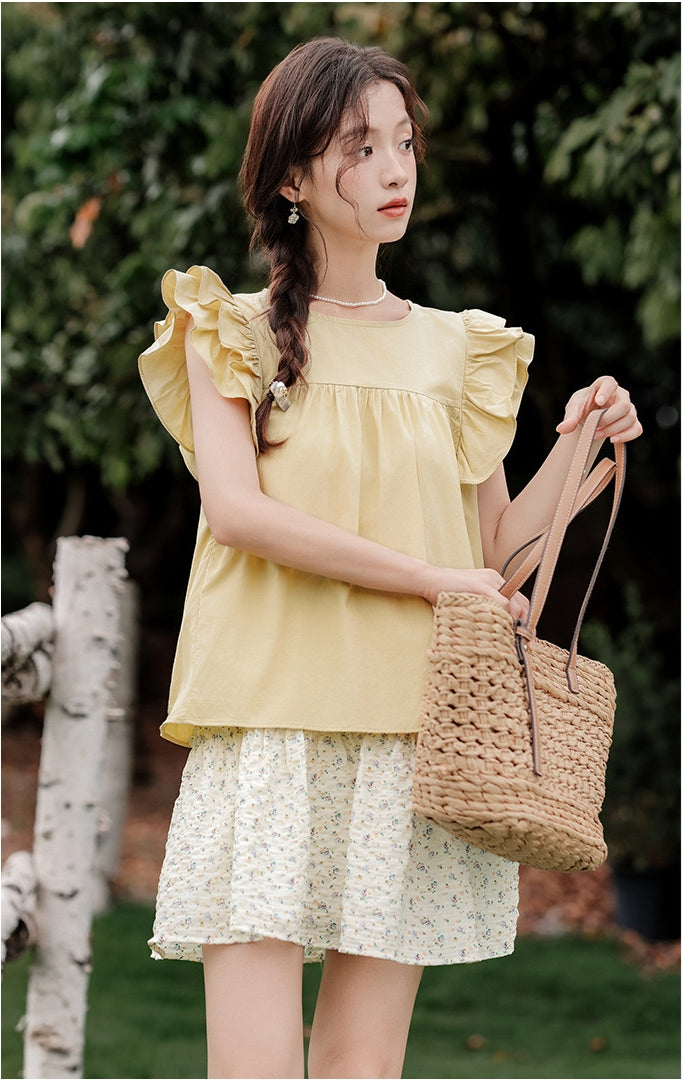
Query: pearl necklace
<point x="354" y="303"/>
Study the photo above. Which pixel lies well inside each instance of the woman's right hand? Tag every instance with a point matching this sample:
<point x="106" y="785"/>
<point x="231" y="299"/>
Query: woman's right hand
<point x="485" y="582"/>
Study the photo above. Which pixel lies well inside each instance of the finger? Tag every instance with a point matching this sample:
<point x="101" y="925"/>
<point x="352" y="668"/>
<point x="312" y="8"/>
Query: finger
<point x="573" y="412"/>
<point x="497" y="596"/>
<point x="580" y="404"/>
<point x="519" y="607"/>
<point x="618" y="403"/>
<point x="597" y="395"/>
<point x="489" y="577"/>
<point x="618" y="419"/>
<point x="567" y="425"/>
<point x="615" y="421"/>
<point x="604" y="388"/>
<point x="624" y="432"/>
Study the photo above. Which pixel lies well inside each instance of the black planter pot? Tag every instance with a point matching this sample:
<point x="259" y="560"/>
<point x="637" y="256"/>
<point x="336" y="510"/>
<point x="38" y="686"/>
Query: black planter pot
<point x="648" y="901"/>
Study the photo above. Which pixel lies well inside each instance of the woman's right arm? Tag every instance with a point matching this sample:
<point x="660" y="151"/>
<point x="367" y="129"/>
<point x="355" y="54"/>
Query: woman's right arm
<point x="241" y="516"/>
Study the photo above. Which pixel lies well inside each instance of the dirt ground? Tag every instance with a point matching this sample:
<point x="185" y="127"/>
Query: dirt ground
<point x="550" y="903"/>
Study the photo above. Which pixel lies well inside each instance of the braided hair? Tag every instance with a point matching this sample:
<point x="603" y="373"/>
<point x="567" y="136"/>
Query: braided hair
<point x="296" y="114"/>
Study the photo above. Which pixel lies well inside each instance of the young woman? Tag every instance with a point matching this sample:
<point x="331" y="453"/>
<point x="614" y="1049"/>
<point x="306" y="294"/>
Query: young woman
<point x="348" y="446"/>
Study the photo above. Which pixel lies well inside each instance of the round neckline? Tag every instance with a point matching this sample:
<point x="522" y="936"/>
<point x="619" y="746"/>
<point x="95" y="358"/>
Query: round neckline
<point x="363" y="322"/>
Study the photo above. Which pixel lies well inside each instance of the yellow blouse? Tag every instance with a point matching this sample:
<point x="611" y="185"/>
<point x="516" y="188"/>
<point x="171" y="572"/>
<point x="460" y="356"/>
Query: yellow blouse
<point x="398" y="423"/>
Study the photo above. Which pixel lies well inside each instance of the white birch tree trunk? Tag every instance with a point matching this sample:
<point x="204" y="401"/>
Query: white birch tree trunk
<point x="118" y="755"/>
<point x="27" y="642"/>
<point x="88" y="581"/>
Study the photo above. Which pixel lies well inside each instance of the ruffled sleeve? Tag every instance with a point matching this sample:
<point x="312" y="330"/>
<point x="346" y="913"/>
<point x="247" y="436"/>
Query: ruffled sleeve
<point x="496" y="371"/>
<point x="222" y="336"/>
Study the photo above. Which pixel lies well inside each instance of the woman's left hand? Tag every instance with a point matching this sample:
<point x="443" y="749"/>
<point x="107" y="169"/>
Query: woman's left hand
<point x="619" y="423"/>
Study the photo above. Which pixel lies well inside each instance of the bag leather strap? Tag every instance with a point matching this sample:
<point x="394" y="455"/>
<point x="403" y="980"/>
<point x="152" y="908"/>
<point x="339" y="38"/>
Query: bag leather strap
<point x="593" y="485"/>
<point x="576" y="493"/>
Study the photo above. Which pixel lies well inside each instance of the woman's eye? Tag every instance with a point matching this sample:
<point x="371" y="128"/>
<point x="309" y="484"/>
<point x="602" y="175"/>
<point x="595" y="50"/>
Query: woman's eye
<point x="407" y="144"/>
<point x="365" y="151"/>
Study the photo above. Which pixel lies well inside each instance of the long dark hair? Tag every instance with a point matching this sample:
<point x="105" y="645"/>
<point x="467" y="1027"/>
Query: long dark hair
<point x="296" y="114"/>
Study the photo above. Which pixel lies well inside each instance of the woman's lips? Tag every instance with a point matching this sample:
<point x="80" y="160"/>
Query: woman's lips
<point x="394" y="209"/>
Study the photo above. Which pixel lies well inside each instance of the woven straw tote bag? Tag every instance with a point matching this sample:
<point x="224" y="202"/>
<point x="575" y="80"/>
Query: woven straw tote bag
<point x="515" y="732"/>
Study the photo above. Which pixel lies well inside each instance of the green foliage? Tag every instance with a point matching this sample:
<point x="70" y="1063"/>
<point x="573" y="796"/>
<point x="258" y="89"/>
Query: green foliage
<point x="123" y="164"/>
<point x="642" y="806"/>
<point x="145" y="1018"/>
<point x="624" y="160"/>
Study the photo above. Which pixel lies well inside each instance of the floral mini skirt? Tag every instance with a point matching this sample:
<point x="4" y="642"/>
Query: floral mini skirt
<point x="310" y="837"/>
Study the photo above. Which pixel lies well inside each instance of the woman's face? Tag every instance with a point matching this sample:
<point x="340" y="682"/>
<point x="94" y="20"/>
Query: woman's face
<point x="378" y="188"/>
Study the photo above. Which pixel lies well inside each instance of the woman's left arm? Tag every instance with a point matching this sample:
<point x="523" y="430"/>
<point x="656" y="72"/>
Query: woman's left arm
<point x="506" y="524"/>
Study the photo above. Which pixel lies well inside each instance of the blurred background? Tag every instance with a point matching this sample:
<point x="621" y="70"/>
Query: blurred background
<point x="550" y="196"/>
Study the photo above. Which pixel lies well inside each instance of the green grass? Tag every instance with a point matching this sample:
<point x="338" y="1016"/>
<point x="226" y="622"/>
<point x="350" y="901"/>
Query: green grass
<point x="540" y="1013"/>
<point x="533" y="1014"/>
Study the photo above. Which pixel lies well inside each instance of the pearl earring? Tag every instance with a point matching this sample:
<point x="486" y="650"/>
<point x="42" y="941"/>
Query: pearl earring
<point x="294" y="215"/>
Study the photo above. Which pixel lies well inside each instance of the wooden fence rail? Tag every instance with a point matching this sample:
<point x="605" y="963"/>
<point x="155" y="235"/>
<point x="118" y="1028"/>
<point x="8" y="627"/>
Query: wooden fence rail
<point x="80" y="653"/>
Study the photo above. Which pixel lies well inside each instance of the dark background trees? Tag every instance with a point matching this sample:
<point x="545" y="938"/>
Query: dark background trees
<point x="550" y="196"/>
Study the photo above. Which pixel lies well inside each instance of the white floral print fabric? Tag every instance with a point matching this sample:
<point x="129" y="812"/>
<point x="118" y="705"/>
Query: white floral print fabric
<point x="310" y="837"/>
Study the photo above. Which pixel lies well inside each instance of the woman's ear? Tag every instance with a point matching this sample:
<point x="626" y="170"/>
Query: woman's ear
<point x="291" y="191"/>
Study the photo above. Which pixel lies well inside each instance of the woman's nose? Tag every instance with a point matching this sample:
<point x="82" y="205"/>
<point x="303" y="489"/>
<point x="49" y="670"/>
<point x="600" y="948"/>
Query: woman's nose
<point x="395" y="174"/>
